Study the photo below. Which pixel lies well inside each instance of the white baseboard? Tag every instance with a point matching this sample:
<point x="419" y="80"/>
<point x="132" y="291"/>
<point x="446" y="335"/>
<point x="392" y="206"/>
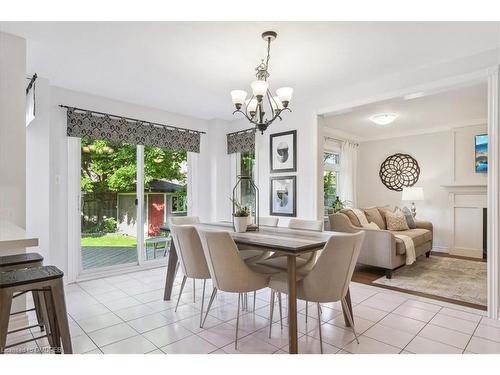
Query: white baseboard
<point x="440" y="249"/>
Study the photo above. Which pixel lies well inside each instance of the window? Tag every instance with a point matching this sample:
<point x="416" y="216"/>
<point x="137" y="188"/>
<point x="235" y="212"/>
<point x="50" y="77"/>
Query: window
<point x="331" y="166"/>
<point x="247" y="163"/>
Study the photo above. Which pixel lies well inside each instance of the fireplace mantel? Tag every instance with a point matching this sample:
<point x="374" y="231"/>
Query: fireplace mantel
<point x="466" y="189"/>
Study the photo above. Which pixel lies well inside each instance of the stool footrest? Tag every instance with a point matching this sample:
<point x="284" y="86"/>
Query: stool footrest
<point x="24" y="328"/>
<point x="23" y="311"/>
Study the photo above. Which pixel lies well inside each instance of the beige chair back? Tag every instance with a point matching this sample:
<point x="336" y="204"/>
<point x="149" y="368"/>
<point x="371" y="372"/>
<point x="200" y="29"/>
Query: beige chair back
<point x="191" y="256"/>
<point x="268" y="221"/>
<point x="329" y="279"/>
<point x="312" y="225"/>
<point x="229" y="272"/>
<point x="184" y="220"/>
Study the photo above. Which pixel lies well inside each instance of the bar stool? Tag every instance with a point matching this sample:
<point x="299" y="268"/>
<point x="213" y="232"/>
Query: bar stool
<point x="20" y="261"/>
<point x="48" y="281"/>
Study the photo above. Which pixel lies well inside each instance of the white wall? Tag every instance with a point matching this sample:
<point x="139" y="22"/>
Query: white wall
<point x="37" y="173"/>
<point x="12" y="129"/>
<point x="434" y="155"/>
<point x="13" y="136"/>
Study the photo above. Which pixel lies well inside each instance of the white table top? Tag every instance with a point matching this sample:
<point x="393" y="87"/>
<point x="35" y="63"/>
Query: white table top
<point x="13" y="236"/>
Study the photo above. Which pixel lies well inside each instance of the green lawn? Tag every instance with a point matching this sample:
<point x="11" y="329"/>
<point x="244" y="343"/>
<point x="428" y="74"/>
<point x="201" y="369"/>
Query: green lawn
<point x="109" y="240"/>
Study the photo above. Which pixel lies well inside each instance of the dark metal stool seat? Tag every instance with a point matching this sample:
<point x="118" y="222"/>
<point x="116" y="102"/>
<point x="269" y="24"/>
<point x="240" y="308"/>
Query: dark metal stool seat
<point x="28" y="260"/>
<point x="19" y="261"/>
<point x="47" y="281"/>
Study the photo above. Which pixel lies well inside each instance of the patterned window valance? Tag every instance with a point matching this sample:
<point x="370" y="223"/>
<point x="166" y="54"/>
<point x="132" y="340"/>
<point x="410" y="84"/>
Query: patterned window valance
<point x="96" y="125"/>
<point x="241" y="141"/>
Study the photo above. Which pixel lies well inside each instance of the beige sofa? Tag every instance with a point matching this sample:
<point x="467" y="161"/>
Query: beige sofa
<point x="380" y="247"/>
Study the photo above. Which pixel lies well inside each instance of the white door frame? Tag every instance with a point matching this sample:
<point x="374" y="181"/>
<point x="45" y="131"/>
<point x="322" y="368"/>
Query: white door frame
<point x="492" y="76"/>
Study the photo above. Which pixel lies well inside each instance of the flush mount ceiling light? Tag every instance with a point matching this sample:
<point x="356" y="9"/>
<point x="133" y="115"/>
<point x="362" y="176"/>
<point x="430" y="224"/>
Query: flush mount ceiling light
<point x="383" y="118"/>
<point x="254" y="108"/>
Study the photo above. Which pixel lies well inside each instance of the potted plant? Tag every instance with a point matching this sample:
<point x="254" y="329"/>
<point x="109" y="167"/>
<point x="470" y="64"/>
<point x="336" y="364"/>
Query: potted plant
<point x="240" y="216"/>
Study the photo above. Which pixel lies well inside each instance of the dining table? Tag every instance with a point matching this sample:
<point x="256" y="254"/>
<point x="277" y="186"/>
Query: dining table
<point x="290" y="243"/>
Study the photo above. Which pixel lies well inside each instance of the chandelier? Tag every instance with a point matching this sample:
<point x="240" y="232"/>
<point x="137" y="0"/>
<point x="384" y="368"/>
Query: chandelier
<point x="254" y="109"/>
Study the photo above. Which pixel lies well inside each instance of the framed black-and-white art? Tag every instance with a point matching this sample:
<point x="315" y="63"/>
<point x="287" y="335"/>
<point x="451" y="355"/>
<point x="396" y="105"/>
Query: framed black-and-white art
<point x="283" y="152"/>
<point x="283" y="196"/>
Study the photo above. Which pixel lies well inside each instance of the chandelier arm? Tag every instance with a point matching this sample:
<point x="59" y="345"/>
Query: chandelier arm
<point x="246" y="105"/>
<point x="269" y="98"/>
<point x="244" y="114"/>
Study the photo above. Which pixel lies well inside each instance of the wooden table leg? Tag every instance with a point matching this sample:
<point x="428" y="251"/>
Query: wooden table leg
<point x="292" y="305"/>
<point x="349" y="304"/>
<point x="171" y="271"/>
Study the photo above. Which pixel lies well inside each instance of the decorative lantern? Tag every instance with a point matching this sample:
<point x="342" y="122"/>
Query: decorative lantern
<point x="246" y="194"/>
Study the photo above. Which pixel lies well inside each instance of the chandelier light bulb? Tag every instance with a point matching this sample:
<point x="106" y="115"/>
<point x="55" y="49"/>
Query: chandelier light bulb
<point x="276" y="103"/>
<point x="238" y="97"/>
<point x="285" y="95"/>
<point x="251" y="105"/>
<point x="259" y="88"/>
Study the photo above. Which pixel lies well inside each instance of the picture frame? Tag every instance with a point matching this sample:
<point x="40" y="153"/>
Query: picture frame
<point x="283" y="196"/>
<point x="481" y="153"/>
<point x="283" y="152"/>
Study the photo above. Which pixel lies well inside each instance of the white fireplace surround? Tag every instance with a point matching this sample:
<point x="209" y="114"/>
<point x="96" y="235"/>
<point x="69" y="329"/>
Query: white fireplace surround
<point x="466" y="210"/>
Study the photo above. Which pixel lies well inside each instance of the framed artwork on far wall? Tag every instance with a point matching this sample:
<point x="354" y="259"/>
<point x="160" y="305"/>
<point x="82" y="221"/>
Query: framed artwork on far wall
<point x="283" y="196"/>
<point x="283" y="152"/>
<point x="481" y="150"/>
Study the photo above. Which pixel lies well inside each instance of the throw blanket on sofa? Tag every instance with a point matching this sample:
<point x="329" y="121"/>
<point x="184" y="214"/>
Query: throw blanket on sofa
<point x="360" y="215"/>
<point x="410" y="248"/>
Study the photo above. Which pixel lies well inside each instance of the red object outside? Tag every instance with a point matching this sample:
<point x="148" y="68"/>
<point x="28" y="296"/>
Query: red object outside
<point x="156" y="212"/>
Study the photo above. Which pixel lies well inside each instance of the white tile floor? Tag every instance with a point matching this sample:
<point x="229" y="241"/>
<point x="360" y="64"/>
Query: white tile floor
<point x="127" y="314"/>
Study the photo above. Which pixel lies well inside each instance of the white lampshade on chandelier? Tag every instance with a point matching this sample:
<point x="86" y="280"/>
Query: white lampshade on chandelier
<point x="254" y="109"/>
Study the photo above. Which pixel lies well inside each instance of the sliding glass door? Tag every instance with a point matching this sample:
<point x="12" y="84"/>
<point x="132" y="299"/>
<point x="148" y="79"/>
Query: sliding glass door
<point x="108" y="209"/>
<point x="127" y="193"/>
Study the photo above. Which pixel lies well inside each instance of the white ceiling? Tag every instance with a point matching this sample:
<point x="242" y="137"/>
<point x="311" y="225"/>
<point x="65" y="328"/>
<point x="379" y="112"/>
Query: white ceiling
<point x="190" y="67"/>
<point x="452" y="108"/>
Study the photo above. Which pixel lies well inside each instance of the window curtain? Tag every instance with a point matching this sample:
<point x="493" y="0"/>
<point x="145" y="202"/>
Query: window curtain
<point x="242" y="141"/>
<point x="92" y="125"/>
<point x="348" y="173"/>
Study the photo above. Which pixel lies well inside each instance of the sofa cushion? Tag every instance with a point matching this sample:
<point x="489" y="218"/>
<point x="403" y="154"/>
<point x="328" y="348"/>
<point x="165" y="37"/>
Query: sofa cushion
<point x="383" y="211"/>
<point x="396" y="221"/>
<point x="373" y="215"/>
<point x="352" y="216"/>
<point x="419" y="237"/>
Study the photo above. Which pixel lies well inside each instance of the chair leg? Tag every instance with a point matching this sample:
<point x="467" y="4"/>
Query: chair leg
<point x="61" y="314"/>
<point x="349" y="318"/>
<point x="5" y="305"/>
<point x="271" y="311"/>
<point x="212" y="297"/>
<point x="202" y="301"/>
<point x="307" y="307"/>
<point x="194" y="290"/>
<point x="51" y="328"/>
<point x="319" y="327"/>
<point x="254" y="297"/>
<point x="180" y="293"/>
<point x="281" y="310"/>
<point x="240" y="297"/>
<point x="38" y="310"/>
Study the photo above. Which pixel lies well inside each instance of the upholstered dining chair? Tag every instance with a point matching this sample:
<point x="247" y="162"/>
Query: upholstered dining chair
<point x="251" y="254"/>
<point x="228" y="271"/>
<point x="306" y="260"/>
<point x="329" y="279"/>
<point x="191" y="258"/>
<point x="184" y="220"/>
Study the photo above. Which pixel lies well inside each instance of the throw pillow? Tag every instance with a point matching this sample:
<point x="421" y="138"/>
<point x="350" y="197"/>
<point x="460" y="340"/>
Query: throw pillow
<point x="352" y="217"/>
<point x="410" y="220"/>
<point x="371" y="226"/>
<point x="383" y="210"/>
<point x="396" y="221"/>
<point x="373" y="215"/>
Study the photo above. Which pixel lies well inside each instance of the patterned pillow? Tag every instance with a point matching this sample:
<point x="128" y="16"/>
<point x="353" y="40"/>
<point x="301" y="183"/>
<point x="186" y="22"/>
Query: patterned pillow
<point x="396" y="221"/>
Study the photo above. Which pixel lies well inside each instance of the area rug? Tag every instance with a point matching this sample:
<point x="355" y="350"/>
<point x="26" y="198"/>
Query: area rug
<point x="458" y="279"/>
